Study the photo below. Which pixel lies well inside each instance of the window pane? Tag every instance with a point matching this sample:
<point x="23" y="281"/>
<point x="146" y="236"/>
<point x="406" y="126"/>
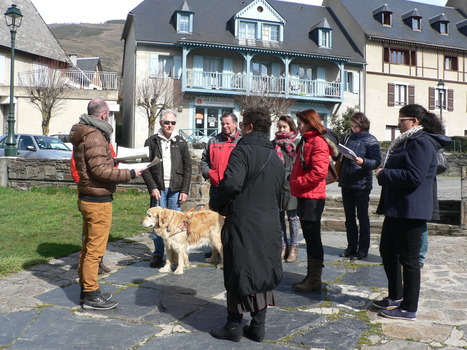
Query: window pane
<point x="165" y="68"/>
<point x="184" y="23"/>
<point x="247" y="30"/>
<point x="270" y="32"/>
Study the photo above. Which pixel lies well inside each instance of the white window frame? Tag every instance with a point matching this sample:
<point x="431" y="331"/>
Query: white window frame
<point x="184" y="22"/>
<point x="444" y="27"/>
<point x="401" y="94"/>
<point x="245" y="32"/>
<point x="325" y="38"/>
<point x="416" y="23"/>
<point x="273" y="34"/>
<point x="158" y="69"/>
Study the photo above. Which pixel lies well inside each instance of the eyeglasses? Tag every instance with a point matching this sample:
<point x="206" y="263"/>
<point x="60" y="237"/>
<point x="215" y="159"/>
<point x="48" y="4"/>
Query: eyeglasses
<point x="167" y="122"/>
<point x="404" y="119"/>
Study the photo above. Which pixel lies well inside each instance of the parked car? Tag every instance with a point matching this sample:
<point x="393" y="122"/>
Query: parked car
<point x="65" y="138"/>
<point x="37" y="146"/>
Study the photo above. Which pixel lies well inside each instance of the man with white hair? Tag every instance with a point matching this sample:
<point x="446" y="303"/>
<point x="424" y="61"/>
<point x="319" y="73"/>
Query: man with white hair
<point x="168" y="182"/>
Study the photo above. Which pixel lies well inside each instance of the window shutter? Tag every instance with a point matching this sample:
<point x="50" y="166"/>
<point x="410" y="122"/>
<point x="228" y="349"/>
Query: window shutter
<point x="356" y="82"/>
<point x="391" y="88"/>
<point x="450" y="100"/>
<point x="227" y="71"/>
<point x="198" y="62"/>
<point x="411" y="94"/>
<point x="386" y="54"/>
<point x="177" y="67"/>
<point x="153" y="65"/>
<point x="431" y="98"/>
<point x="413" y="58"/>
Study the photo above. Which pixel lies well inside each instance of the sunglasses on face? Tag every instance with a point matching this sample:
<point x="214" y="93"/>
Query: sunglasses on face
<point x="167" y="122"/>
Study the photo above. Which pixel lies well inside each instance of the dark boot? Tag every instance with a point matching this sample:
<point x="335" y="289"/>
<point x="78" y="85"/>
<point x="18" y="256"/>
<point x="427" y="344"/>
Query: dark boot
<point x="255" y="331"/>
<point x="95" y="300"/>
<point x="313" y="282"/>
<point x="232" y="329"/>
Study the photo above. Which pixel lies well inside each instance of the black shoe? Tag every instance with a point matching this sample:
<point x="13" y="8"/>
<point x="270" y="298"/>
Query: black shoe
<point x="156" y="261"/>
<point x="106" y="296"/>
<point x="232" y="329"/>
<point x="359" y="256"/>
<point x="348" y="253"/>
<point x="95" y="300"/>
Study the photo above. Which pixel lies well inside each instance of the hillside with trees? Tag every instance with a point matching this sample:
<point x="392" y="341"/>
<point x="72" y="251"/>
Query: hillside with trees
<point x="93" y="40"/>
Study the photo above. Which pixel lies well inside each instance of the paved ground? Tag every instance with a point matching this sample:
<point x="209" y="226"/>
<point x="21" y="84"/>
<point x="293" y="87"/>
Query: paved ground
<point x="39" y="308"/>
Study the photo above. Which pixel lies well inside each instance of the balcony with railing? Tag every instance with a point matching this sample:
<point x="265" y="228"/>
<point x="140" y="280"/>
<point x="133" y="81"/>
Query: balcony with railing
<point x="88" y="80"/>
<point x="239" y="83"/>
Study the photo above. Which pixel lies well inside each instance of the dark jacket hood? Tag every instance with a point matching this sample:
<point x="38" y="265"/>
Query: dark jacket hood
<point x="443" y="140"/>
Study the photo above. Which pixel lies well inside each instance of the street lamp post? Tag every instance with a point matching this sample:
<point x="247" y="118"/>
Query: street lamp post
<point x="13" y="18"/>
<point x="441" y="98"/>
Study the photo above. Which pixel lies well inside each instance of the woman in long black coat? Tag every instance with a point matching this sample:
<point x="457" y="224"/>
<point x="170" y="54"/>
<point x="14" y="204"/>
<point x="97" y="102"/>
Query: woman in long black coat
<point x="249" y="195"/>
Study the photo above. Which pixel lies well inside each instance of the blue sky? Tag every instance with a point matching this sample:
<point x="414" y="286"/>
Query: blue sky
<point x="98" y="11"/>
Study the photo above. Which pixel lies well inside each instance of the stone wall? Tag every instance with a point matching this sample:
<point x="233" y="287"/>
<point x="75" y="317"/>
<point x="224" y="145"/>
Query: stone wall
<point x="22" y="174"/>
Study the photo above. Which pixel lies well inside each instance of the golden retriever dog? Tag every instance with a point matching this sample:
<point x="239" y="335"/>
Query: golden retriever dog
<point x="182" y="231"/>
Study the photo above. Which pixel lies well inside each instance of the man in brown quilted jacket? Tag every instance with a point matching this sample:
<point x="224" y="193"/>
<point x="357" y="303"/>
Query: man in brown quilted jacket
<point x="98" y="180"/>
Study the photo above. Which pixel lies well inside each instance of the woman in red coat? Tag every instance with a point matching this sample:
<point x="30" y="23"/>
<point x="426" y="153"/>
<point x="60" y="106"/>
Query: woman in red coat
<point x="308" y="184"/>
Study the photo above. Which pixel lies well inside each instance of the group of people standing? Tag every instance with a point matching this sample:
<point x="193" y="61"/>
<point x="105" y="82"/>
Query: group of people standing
<point x="255" y="183"/>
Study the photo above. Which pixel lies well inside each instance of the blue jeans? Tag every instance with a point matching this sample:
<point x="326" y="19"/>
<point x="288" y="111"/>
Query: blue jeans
<point x="424" y="245"/>
<point x="169" y="200"/>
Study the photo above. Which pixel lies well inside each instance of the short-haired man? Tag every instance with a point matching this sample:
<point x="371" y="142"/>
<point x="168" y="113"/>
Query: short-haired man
<point x="217" y="151"/>
<point x="168" y="182"/>
<point x="97" y="182"/>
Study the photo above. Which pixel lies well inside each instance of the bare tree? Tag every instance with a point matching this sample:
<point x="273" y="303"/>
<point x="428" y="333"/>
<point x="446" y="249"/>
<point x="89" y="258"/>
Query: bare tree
<point x="47" y="89"/>
<point x="156" y="94"/>
<point x="266" y="93"/>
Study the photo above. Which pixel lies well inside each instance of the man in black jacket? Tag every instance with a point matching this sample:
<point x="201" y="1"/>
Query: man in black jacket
<point x="168" y="182"/>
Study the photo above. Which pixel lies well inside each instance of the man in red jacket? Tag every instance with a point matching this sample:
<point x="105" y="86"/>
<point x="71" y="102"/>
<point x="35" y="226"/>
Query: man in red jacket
<point x="217" y="152"/>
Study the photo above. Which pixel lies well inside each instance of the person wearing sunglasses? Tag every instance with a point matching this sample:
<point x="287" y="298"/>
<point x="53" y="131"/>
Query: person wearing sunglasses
<point x="168" y="182"/>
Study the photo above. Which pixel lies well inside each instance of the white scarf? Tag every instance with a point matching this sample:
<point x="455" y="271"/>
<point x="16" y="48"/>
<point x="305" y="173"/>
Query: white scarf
<point x="399" y="139"/>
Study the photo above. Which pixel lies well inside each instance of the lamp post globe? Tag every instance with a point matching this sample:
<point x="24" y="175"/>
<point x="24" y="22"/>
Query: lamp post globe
<point x="13" y="19"/>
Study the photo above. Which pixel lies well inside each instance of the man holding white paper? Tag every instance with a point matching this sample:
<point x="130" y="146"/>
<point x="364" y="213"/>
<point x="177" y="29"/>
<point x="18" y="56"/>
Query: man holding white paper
<point x="168" y="182"/>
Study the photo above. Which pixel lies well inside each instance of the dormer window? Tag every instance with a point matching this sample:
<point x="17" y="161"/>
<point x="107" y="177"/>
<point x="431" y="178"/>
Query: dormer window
<point x="413" y="19"/>
<point x="383" y="15"/>
<point x="183" y="19"/>
<point x="440" y="23"/>
<point x="248" y="30"/>
<point x="387" y="18"/>
<point x="416" y="23"/>
<point x="184" y="23"/>
<point x="325" y="38"/>
<point x="259" y="21"/>
<point x="270" y="32"/>
<point x="321" y="34"/>
<point x="443" y="28"/>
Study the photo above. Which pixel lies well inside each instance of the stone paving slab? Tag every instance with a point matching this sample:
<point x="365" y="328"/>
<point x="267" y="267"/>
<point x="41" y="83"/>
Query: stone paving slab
<point x="56" y="328"/>
<point x="39" y="308"/>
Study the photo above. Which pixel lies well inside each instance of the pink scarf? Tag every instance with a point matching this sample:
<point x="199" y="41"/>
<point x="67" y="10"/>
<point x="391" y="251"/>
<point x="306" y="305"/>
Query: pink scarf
<point x="285" y="142"/>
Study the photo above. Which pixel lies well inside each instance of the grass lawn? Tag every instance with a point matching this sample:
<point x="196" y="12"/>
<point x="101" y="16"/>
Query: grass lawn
<point x="44" y="223"/>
